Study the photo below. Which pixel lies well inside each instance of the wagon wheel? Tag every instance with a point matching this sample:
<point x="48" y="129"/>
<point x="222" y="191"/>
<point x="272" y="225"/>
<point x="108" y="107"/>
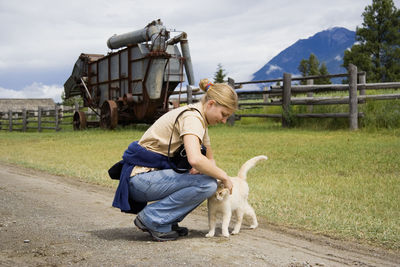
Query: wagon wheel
<point x="109" y="115"/>
<point x="79" y="120"/>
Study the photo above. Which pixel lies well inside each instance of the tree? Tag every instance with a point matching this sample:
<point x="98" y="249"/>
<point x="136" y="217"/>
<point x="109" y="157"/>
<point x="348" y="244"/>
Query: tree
<point x="219" y="76"/>
<point x="377" y="50"/>
<point x="72" y="100"/>
<point x="312" y="67"/>
<point x="323" y="70"/>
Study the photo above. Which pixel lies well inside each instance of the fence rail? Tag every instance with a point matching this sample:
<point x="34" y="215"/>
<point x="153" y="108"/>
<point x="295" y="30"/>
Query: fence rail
<point x="356" y="87"/>
<point x="40" y="119"/>
<point x="53" y="119"/>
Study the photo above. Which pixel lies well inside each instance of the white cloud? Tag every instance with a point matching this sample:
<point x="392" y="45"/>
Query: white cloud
<point x="338" y="58"/>
<point x="9" y="93"/>
<point x="242" y="35"/>
<point x="35" y="90"/>
<point x="272" y="68"/>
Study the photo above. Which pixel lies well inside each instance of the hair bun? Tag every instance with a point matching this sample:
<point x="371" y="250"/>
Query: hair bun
<point x="203" y="84"/>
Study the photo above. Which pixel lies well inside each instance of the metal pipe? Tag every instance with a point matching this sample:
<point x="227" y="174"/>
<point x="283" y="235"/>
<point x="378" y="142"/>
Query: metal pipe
<point x="135" y="37"/>
<point x="150" y="32"/>
<point x="188" y="60"/>
<point x="177" y="39"/>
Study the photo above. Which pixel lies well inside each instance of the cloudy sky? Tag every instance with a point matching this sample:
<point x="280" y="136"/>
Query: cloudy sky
<point x="41" y="40"/>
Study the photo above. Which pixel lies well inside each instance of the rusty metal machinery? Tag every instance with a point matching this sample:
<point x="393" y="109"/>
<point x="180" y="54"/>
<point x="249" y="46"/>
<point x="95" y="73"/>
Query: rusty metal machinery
<point x="132" y="84"/>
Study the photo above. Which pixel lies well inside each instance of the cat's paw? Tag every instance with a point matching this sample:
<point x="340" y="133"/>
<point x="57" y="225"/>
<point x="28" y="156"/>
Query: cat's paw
<point x="234" y="232"/>
<point x="225" y="233"/>
<point x="253" y="226"/>
<point x="210" y="234"/>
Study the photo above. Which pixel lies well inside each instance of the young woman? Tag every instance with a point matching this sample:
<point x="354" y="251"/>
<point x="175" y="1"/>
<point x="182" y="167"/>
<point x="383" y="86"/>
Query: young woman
<point x="147" y="174"/>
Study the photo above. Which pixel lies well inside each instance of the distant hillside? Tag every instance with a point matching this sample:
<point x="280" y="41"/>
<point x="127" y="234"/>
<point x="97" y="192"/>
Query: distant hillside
<point x="328" y="46"/>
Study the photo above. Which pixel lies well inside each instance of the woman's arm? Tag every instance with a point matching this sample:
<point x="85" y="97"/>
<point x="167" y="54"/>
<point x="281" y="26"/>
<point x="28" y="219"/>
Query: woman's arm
<point x="204" y="164"/>
<point x="209" y="155"/>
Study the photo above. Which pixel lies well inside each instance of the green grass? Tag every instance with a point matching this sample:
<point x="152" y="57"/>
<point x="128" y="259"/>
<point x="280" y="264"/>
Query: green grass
<point x="338" y="183"/>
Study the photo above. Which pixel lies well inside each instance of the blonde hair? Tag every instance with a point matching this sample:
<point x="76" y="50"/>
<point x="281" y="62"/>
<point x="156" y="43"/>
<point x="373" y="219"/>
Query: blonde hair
<point x="221" y="93"/>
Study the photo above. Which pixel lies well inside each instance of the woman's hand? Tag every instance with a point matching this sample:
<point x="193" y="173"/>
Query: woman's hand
<point x="194" y="171"/>
<point x="228" y="184"/>
<point x="203" y="164"/>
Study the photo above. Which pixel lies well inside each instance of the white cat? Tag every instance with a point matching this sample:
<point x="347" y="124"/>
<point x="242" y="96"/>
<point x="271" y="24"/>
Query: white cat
<point x="225" y="203"/>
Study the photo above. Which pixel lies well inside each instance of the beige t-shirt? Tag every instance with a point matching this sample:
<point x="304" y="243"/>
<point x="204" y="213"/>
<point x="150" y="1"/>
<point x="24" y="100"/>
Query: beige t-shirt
<point x="157" y="137"/>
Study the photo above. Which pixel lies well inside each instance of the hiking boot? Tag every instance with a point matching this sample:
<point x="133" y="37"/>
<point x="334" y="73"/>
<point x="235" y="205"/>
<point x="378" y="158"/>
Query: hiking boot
<point x="182" y="231"/>
<point x="158" y="236"/>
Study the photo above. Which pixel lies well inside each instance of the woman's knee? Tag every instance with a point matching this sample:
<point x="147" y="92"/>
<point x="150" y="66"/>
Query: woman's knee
<point x="208" y="186"/>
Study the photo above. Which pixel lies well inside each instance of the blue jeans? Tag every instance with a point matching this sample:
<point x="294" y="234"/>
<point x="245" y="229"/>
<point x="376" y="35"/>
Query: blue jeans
<point x="175" y="195"/>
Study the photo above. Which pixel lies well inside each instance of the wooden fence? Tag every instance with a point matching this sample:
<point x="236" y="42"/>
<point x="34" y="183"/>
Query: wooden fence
<point x="274" y="96"/>
<point x="357" y="83"/>
<point x="40" y="119"/>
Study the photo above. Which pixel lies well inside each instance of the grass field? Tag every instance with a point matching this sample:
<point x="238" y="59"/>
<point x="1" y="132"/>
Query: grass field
<point x="338" y="183"/>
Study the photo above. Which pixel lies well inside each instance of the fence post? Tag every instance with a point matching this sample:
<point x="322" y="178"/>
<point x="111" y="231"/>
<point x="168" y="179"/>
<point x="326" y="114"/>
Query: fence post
<point x="39" y="119"/>
<point x="56" y="120"/>
<point x="265" y="96"/>
<point x="353" y="109"/>
<point x="286" y="94"/>
<point x="189" y="94"/>
<point x="231" y="119"/>
<point x="10" y="125"/>
<point x="310" y="94"/>
<point x="362" y="80"/>
<point x="24" y="120"/>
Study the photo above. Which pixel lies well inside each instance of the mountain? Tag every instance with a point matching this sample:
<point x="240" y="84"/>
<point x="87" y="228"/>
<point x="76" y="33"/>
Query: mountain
<point x="328" y="46"/>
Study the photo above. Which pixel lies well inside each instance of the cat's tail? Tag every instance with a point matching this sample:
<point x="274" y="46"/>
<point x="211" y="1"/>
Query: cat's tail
<point x="248" y="165"/>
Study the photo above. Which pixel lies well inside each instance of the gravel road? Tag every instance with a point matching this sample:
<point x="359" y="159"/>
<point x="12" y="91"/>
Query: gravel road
<point x="47" y="220"/>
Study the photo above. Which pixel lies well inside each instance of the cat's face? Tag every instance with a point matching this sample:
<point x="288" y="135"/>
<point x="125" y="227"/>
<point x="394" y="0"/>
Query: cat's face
<point x="221" y="192"/>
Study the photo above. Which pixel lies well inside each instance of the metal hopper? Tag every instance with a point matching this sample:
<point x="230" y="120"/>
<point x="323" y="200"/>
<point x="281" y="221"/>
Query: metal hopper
<point x="133" y="83"/>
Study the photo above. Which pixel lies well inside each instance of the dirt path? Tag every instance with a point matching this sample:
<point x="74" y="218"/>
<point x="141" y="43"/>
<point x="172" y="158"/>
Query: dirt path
<point x="50" y="220"/>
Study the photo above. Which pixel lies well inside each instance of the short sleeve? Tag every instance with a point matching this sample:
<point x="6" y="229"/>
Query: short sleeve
<point x="192" y="124"/>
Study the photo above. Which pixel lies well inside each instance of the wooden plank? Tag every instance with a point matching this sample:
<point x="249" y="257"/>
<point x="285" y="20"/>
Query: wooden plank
<point x="317" y="88"/>
<point x="380" y="97"/>
<point x="326" y="115"/>
<point x="56" y="117"/>
<point x="320" y="76"/>
<point x="375" y="86"/>
<point x="339" y="87"/>
<point x="260" y="81"/>
<point x="320" y="101"/>
<point x="194" y="90"/>
<point x="48" y="128"/>
<point x="39" y="119"/>
<point x="260" y="115"/>
<point x="286" y="95"/>
<point x="24" y="120"/>
<point x="303" y="115"/>
<point x="275" y="103"/>
<point x="324" y="100"/>
<point x="353" y="107"/>
<point x="267" y="92"/>
<point x="10" y="122"/>
<point x="310" y="94"/>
